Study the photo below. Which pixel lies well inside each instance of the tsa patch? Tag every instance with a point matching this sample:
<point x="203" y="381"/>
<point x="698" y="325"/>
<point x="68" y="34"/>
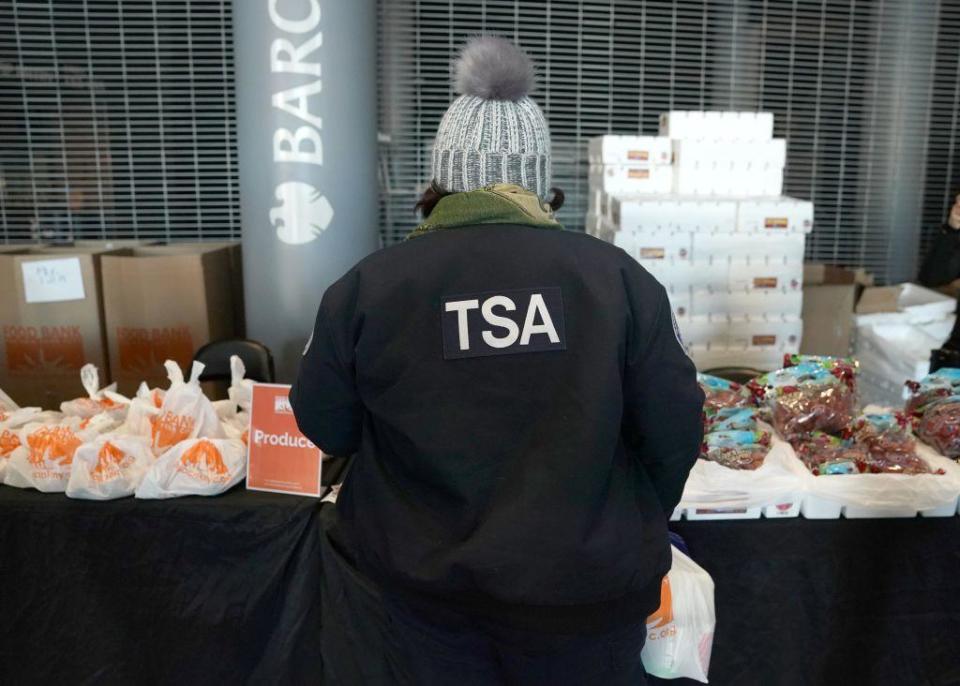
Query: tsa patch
<point x="676" y="332"/>
<point x="528" y="320"/>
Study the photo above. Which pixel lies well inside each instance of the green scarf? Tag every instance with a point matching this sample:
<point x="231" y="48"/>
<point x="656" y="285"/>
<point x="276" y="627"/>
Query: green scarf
<point x="500" y="203"/>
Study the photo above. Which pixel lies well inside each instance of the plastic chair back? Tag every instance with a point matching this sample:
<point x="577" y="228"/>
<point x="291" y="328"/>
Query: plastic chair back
<point x="255" y="355"/>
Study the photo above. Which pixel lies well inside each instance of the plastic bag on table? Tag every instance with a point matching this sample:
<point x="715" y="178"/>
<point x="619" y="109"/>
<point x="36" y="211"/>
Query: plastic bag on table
<point x="44" y="458"/>
<point x="810" y="396"/>
<point x="939" y="426"/>
<point x="97" y="400"/>
<point x="713" y="485"/>
<point x="185" y="413"/>
<point x="110" y="466"/>
<point x="736" y="449"/>
<point x="144" y="406"/>
<point x="891" y="449"/>
<point x="10" y="424"/>
<point x="932" y="388"/>
<point x="238" y="427"/>
<point x="241" y="389"/>
<point x="7" y="404"/>
<point x="198" y="466"/>
<point x="731" y="419"/>
<point x="720" y="393"/>
<point x="680" y="633"/>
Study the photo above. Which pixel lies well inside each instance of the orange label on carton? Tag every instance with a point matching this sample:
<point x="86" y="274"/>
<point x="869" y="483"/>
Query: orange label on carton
<point x="143" y="350"/>
<point x="765" y="282"/>
<point x="41" y="349"/>
<point x="768" y="339"/>
<point x="776" y="223"/>
<point x="641" y="155"/>
<point x="281" y="459"/>
<point x="652" y="253"/>
<point x="638" y="173"/>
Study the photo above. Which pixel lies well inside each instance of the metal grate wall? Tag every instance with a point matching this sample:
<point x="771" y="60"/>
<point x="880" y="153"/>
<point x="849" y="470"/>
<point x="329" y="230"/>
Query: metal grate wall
<point x="117" y="120"/>
<point x="866" y="92"/>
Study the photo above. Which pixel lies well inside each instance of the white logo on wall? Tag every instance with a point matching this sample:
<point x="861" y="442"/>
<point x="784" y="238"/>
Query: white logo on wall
<point x="303" y="213"/>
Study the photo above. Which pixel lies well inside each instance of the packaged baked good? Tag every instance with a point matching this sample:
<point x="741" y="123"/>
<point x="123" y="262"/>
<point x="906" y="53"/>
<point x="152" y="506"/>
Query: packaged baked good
<point x="720" y="393"/>
<point x="736" y="449"/>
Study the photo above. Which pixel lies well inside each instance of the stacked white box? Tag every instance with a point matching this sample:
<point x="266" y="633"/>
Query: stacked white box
<point x="728" y="249"/>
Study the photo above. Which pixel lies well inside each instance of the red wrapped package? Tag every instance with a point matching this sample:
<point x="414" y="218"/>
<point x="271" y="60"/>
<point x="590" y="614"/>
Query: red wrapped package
<point x="890" y="447"/>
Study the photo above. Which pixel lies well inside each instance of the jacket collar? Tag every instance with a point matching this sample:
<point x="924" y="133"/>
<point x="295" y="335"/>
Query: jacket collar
<point x="499" y="203"/>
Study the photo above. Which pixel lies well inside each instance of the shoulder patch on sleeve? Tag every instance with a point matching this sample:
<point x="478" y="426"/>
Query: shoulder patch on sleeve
<point x="676" y="332"/>
<point x="310" y="340"/>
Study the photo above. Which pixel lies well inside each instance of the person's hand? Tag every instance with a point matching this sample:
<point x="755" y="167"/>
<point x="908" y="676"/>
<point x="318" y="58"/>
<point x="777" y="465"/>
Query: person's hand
<point x="954" y="219"/>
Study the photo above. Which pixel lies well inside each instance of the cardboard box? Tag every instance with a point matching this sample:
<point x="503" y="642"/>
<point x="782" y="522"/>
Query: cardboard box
<point x="631" y="150"/>
<point x="829" y="297"/>
<point x="51" y="320"/>
<point x="164" y="302"/>
<point x="905" y="303"/>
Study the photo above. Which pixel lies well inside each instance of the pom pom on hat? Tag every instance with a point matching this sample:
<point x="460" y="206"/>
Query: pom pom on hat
<point x="493" y="68"/>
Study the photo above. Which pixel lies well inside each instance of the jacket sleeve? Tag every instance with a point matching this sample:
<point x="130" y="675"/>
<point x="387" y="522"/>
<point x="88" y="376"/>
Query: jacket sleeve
<point x="663" y="403"/>
<point x="324" y="397"/>
<point x="942" y="263"/>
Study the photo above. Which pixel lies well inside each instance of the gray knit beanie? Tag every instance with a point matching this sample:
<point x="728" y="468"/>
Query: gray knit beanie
<point x="492" y="133"/>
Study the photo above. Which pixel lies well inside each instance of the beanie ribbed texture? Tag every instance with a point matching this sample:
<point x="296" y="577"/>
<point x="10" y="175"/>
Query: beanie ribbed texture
<point x="493" y="133"/>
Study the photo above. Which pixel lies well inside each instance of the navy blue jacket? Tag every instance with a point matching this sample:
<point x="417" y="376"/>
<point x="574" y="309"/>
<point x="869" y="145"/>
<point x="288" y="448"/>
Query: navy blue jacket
<point x="524" y="417"/>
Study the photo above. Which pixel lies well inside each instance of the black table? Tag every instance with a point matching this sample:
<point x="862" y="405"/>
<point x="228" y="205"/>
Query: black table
<point x="226" y="590"/>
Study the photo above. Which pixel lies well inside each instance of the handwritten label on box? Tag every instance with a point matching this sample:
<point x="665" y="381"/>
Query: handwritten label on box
<point x="50" y="281"/>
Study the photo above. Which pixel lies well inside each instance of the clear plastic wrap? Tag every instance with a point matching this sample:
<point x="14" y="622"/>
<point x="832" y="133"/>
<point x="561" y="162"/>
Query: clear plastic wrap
<point x="720" y="393"/>
<point x="817" y="394"/>
<point x="890" y="447"/>
<point x="939" y="426"/>
<point x="736" y="449"/>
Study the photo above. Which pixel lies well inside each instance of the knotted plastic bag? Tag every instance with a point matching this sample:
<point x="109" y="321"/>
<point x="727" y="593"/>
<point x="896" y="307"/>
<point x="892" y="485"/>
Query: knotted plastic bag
<point x="197" y="466"/>
<point x="10" y="424"/>
<point x="185" y="413"/>
<point x="680" y="633"/>
<point x="97" y="400"/>
<point x="110" y="466"/>
<point x="44" y="457"/>
<point x="144" y="406"/>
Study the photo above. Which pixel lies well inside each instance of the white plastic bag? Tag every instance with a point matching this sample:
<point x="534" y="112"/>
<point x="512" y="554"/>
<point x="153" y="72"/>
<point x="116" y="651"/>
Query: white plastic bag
<point x="241" y="389"/>
<point x="144" y="407"/>
<point x="44" y="458"/>
<point x="97" y="401"/>
<point x="198" y="466"/>
<point x="711" y="485"/>
<point x="110" y="466"/>
<point x="7" y="404"/>
<point x="10" y="423"/>
<point x="238" y="427"/>
<point x="680" y="633"/>
<point x="186" y="412"/>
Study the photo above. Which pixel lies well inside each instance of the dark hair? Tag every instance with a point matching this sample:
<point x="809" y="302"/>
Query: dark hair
<point x="435" y="194"/>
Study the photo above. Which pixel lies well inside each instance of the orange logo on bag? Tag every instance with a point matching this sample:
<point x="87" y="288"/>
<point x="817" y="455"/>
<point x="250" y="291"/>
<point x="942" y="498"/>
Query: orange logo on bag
<point x="203" y="462"/>
<point x="9" y="442"/>
<point x="143" y="350"/>
<point x="169" y="429"/>
<point x="776" y="223"/>
<point x="50" y="349"/>
<point x="664" y="615"/>
<point x="56" y="444"/>
<point x="109" y="461"/>
<point x="246" y="437"/>
<point x="157" y="396"/>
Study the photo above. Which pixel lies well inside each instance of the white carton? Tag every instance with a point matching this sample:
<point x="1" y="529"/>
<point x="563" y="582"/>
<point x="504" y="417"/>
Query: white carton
<point x="630" y="150"/>
<point x="776" y="214"/>
<point x="655" y="245"/>
<point x="749" y="247"/>
<point x="715" y="513"/>
<point x="622" y="178"/>
<point x="731" y="180"/>
<point x="680" y="302"/>
<point x="747" y="303"/>
<point x="766" y="276"/>
<point x="688" y="273"/>
<point x="705" y="330"/>
<point x="640" y="212"/>
<point x="781" y="334"/>
<point x="746" y="126"/>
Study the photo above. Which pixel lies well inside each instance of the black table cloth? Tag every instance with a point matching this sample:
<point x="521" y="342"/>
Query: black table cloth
<point x="227" y="590"/>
